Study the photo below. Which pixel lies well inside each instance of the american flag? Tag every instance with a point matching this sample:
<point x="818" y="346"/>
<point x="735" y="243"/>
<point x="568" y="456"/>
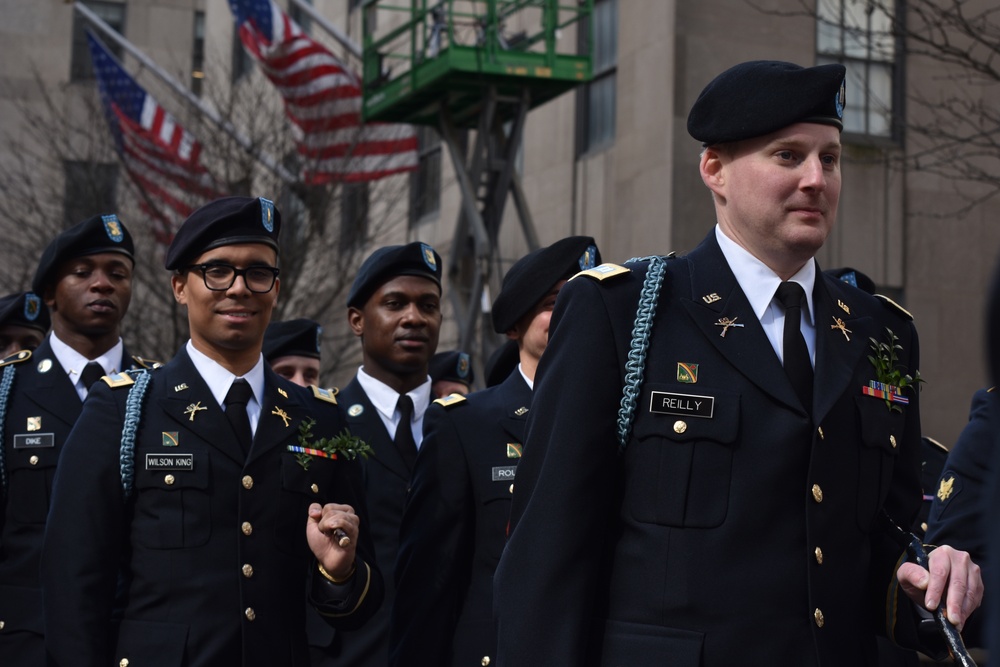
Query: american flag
<point x="322" y="100"/>
<point x="160" y="156"/>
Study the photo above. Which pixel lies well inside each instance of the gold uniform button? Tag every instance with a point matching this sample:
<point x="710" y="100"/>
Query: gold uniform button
<point x="820" y="432"/>
<point x="819" y="555"/>
<point x="2" y="624"/>
<point x="817" y="493"/>
<point x="250" y="614"/>
<point x="892" y="441"/>
<point x="123" y="662"/>
<point x="247" y="482"/>
<point x="33" y="460"/>
<point x="246" y="528"/>
<point x="680" y="426"/>
<point x="248" y="570"/>
<point x="169" y="480"/>
<point x="923" y="527"/>
<point x="315" y="488"/>
<point x="485" y="661"/>
<point x="818" y="617"/>
<point x="512" y="488"/>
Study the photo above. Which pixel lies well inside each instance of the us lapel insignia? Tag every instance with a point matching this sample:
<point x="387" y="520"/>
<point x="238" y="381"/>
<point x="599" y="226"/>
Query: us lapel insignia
<point x="843" y="306"/>
<point x="35" y="423"/>
<point x="282" y="392"/>
<point x="725" y="323"/>
<point x="44" y="366"/>
<point x="521" y="411"/>
<point x="947" y="485"/>
<point x="355" y="410"/>
<point x="514" y="450"/>
<point x="687" y="372"/>
<point x="711" y="298"/>
<point x="281" y="413"/>
<point x="193" y="409"/>
<point x="839" y="324"/>
<point x="181" y="387"/>
<point x="170" y="439"/>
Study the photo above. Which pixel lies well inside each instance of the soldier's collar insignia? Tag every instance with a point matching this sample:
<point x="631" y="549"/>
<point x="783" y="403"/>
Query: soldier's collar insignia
<point x="355" y="409"/>
<point x="44" y="366"/>
<point x="726" y="323"/>
<point x="113" y="228"/>
<point x="521" y="411"/>
<point x="514" y="450"/>
<point x="687" y="372"/>
<point x="839" y="324"/>
<point x="181" y="387"/>
<point x="282" y="392"/>
<point x="843" y="306"/>
<point x="281" y="413"/>
<point x="711" y="298"/>
<point x="193" y="410"/>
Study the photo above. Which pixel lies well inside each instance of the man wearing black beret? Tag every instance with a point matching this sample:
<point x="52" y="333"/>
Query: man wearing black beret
<point x="24" y="321"/>
<point x="394" y="308"/>
<point x="717" y="445"/>
<point x="84" y="283"/>
<point x="455" y="522"/>
<point x="200" y="503"/>
<point x="451" y="373"/>
<point x="292" y="349"/>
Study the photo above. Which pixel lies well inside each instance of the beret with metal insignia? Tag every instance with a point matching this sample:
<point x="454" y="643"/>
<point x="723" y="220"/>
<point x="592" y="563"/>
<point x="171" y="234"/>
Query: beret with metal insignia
<point x="412" y="259"/>
<point x="532" y="276"/>
<point x="225" y="221"/>
<point x="25" y="309"/>
<point x="292" y="338"/>
<point x="96" y="234"/>
<point x="763" y="96"/>
<point x="451" y="366"/>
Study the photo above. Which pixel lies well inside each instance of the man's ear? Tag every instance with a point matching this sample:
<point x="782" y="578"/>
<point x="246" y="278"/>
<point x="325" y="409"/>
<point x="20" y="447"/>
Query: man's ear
<point x="356" y="320"/>
<point x="712" y="169"/>
<point x="178" y="282"/>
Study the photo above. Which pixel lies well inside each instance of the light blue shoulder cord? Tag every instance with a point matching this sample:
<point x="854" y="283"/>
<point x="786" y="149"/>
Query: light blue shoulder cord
<point x="6" y="382"/>
<point x="635" y="367"/>
<point x="133" y="414"/>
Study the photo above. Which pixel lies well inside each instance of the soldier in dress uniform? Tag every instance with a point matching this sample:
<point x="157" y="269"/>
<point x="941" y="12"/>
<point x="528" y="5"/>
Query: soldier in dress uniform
<point x="198" y="504"/>
<point x="394" y="307"/>
<point x="292" y="349"/>
<point x="701" y="481"/>
<point x="451" y="373"/>
<point x="85" y="278"/>
<point x="455" y="522"/>
<point x="24" y="321"/>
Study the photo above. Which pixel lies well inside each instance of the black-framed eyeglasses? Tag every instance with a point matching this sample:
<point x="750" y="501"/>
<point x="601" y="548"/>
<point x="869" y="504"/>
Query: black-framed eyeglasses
<point x="220" y="277"/>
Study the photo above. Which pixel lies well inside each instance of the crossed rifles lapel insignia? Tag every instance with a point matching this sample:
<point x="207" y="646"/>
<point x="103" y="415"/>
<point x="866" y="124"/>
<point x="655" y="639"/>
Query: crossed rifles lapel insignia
<point x="726" y="323"/>
<point x="193" y="409"/>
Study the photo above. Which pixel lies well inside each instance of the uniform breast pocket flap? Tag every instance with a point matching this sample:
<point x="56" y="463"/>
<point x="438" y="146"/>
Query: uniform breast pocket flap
<point x="173" y="500"/>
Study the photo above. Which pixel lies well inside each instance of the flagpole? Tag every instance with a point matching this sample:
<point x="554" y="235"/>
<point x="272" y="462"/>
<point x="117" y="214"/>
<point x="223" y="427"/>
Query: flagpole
<point x="183" y="91"/>
<point x="333" y="30"/>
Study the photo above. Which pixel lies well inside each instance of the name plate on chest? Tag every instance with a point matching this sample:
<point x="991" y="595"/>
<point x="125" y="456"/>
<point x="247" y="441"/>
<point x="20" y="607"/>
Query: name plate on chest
<point x="169" y="461"/>
<point x="33" y="440"/>
<point x="502" y="473"/>
<point x="688" y="405"/>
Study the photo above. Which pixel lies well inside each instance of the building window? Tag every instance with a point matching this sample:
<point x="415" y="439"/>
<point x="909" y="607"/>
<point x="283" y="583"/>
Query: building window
<point x="112" y="13"/>
<point x="90" y="189"/>
<point x="425" y="182"/>
<point x="242" y="60"/>
<point x="353" y="215"/>
<point x="596" y="99"/>
<point x="198" y="53"/>
<point x="300" y="17"/>
<point x="859" y="34"/>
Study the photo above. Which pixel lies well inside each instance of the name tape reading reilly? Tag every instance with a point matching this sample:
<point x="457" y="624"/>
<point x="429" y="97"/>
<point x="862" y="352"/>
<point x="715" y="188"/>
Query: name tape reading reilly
<point x="688" y="405"/>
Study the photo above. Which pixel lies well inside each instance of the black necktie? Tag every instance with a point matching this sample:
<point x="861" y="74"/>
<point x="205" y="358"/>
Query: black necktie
<point x="404" y="431"/>
<point x="236" y="412"/>
<point x="796" y="354"/>
<point x="92" y="372"/>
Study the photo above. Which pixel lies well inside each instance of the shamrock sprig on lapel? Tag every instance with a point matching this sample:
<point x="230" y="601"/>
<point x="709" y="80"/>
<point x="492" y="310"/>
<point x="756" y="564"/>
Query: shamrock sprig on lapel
<point x="344" y="444"/>
<point x="890" y="373"/>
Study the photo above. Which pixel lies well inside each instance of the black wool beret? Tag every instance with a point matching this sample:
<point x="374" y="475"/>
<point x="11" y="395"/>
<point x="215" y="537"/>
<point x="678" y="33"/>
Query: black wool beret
<point x="25" y="309"/>
<point x="532" y="276"/>
<point x="97" y="234"/>
<point x="292" y="338"/>
<point x="502" y="363"/>
<point x="762" y="96"/>
<point x="452" y="366"/>
<point x="226" y="221"/>
<point x="412" y="259"/>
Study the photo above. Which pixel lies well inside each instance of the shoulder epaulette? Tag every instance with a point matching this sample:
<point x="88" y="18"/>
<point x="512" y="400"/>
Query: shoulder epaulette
<point x="450" y="400"/>
<point x="328" y="395"/>
<point x="604" y="271"/>
<point x="935" y="444"/>
<point x="118" y="380"/>
<point x="148" y="364"/>
<point x="892" y="305"/>
<point x="993" y="388"/>
<point x="16" y="358"/>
